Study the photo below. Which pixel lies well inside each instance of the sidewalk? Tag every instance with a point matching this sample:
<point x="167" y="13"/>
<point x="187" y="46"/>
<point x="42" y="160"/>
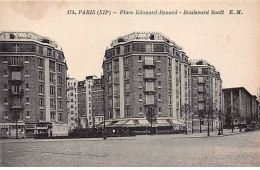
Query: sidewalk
<point x="211" y="134"/>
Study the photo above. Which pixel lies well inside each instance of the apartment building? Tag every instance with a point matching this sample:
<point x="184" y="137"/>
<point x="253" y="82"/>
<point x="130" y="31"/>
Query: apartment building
<point x="72" y="103"/>
<point x="145" y="74"/>
<point x="32" y="85"/>
<point x="206" y="94"/>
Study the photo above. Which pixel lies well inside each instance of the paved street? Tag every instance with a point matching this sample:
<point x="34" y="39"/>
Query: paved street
<point x="237" y="149"/>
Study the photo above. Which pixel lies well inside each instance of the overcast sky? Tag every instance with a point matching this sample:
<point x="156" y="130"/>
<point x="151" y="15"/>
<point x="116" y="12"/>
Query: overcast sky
<point x="230" y="42"/>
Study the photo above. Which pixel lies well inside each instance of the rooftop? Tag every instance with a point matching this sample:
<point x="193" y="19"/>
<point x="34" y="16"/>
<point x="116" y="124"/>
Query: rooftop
<point x="144" y="36"/>
<point x="5" y="35"/>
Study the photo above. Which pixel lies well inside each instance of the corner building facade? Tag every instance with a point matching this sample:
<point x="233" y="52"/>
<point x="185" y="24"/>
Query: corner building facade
<point x="206" y="93"/>
<point x="33" y="85"/>
<point x="141" y="71"/>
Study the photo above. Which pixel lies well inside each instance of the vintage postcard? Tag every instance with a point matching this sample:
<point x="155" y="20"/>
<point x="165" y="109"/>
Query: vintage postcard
<point x="132" y="83"/>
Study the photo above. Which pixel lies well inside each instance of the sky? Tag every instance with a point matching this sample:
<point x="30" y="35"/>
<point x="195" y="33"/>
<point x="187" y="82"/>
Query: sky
<point x="229" y="42"/>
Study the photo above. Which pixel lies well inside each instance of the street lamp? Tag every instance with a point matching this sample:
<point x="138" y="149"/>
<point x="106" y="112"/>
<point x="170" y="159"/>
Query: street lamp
<point x="208" y="123"/>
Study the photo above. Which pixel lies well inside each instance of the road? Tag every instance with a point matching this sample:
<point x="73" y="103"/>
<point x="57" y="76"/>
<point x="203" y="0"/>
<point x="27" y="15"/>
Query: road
<point x="157" y="150"/>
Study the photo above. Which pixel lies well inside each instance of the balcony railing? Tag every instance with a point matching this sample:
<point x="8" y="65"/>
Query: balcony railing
<point x="149" y="63"/>
<point x="150" y="90"/>
<point x="16" y="81"/>
<point x="202" y="90"/>
<point x="150" y="76"/>
<point x="12" y="106"/>
<point x="201" y="81"/>
<point x="18" y="66"/>
<point x="19" y="93"/>
<point x="150" y="103"/>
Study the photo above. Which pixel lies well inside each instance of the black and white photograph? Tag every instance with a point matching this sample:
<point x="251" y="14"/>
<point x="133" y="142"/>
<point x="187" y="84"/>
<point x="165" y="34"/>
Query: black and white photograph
<point x="133" y="83"/>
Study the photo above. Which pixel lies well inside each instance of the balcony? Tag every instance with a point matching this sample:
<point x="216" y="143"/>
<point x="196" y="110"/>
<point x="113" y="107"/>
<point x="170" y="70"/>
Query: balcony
<point x="149" y="76"/>
<point x="16" y="107"/>
<point x="202" y="100"/>
<point x="202" y="90"/>
<point x="150" y="104"/>
<point x="16" y="81"/>
<point x="201" y="81"/>
<point x="20" y="93"/>
<point x="150" y="90"/>
<point x="149" y="64"/>
<point x="117" y="106"/>
<point x="15" y="66"/>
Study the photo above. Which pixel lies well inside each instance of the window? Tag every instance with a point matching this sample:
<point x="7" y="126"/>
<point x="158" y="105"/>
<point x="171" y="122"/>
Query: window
<point x="41" y="64"/>
<point x="160" y="97"/>
<point x="158" y="48"/>
<point x="149" y="86"/>
<point x="159" y="84"/>
<point x="109" y="78"/>
<point x="5" y="86"/>
<point x="6" y="113"/>
<point x="149" y="99"/>
<point x="148" y="60"/>
<point x="52" y="115"/>
<point x="159" y="71"/>
<point x="49" y="52"/>
<point x="41" y="88"/>
<point x="169" y="74"/>
<point x="126" y="61"/>
<point x="139" y="71"/>
<point x="159" y="59"/>
<point x="110" y="102"/>
<point x="27" y="99"/>
<point x="116" y="77"/>
<point x="5" y="59"/>
<point x="52" y="90"/>
<point x="140" y="84"/>
<point x="60" y="92"/>
<point x="140" y="97"/>
<point x="109" y="90"/>
<point x="52" y="77"/>
<point x="52" y="65"/>
<point x="41" y="76"/>
<point x="41" y="102"/>
<point x="126" y="74"/>
<point x="59" y="80"/>
<point x="127" y="87"/>
<point x="169" y="61"/>
<point x="27" y="113"/>
<point x="27" y="85"/>
<point x="149" y="73"/>
<point x="170" y="112"/>
<point x="16" y="75"/>
<point x="141" y="110"/>
<point x="160" y="109"/>
<point x="109" y="65"/>
<point x="60" y="104"/>
<point x="60" y="117"/>
<point x="15" y="61"/>
<point x="127" y="100"/>
<point x="41" y="115"/>
<point x="139" y="58"/>
<point x="170" y="99"/>
<point x="5" y="72"/>
<point x="5" y="100"/>
<point x="127" y="112"/>
<point x="53" y="103"/>
<point x="59" y="68"/>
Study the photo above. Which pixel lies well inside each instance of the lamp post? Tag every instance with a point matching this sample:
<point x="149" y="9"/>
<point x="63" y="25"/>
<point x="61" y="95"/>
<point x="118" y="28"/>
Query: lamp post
<point x="200" y="120"/>
<point x="208" y="123"/>
<point x="191" y="122"/>
<point x="16" y="128"/>
<point x="104" y="133"/>
<point x="219" y="132"/>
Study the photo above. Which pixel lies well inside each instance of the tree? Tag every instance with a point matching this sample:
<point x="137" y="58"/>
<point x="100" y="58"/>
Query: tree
<point x="151" y="116"/>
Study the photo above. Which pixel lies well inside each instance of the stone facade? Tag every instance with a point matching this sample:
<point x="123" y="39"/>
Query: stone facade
<point x="33" y="81"/>
<point x="145" y="70"/>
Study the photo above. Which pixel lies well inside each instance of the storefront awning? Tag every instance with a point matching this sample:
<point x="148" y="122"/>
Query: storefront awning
<point x="163" y="122"/>
<point x="176" y="122"/>
<point x="120" y="122"/>
<point x="143" y="122"/>
<point x="129" y="123"/>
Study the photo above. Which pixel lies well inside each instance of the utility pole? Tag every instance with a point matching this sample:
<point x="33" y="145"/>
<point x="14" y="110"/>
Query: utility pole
<point x="208" y="123"/>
